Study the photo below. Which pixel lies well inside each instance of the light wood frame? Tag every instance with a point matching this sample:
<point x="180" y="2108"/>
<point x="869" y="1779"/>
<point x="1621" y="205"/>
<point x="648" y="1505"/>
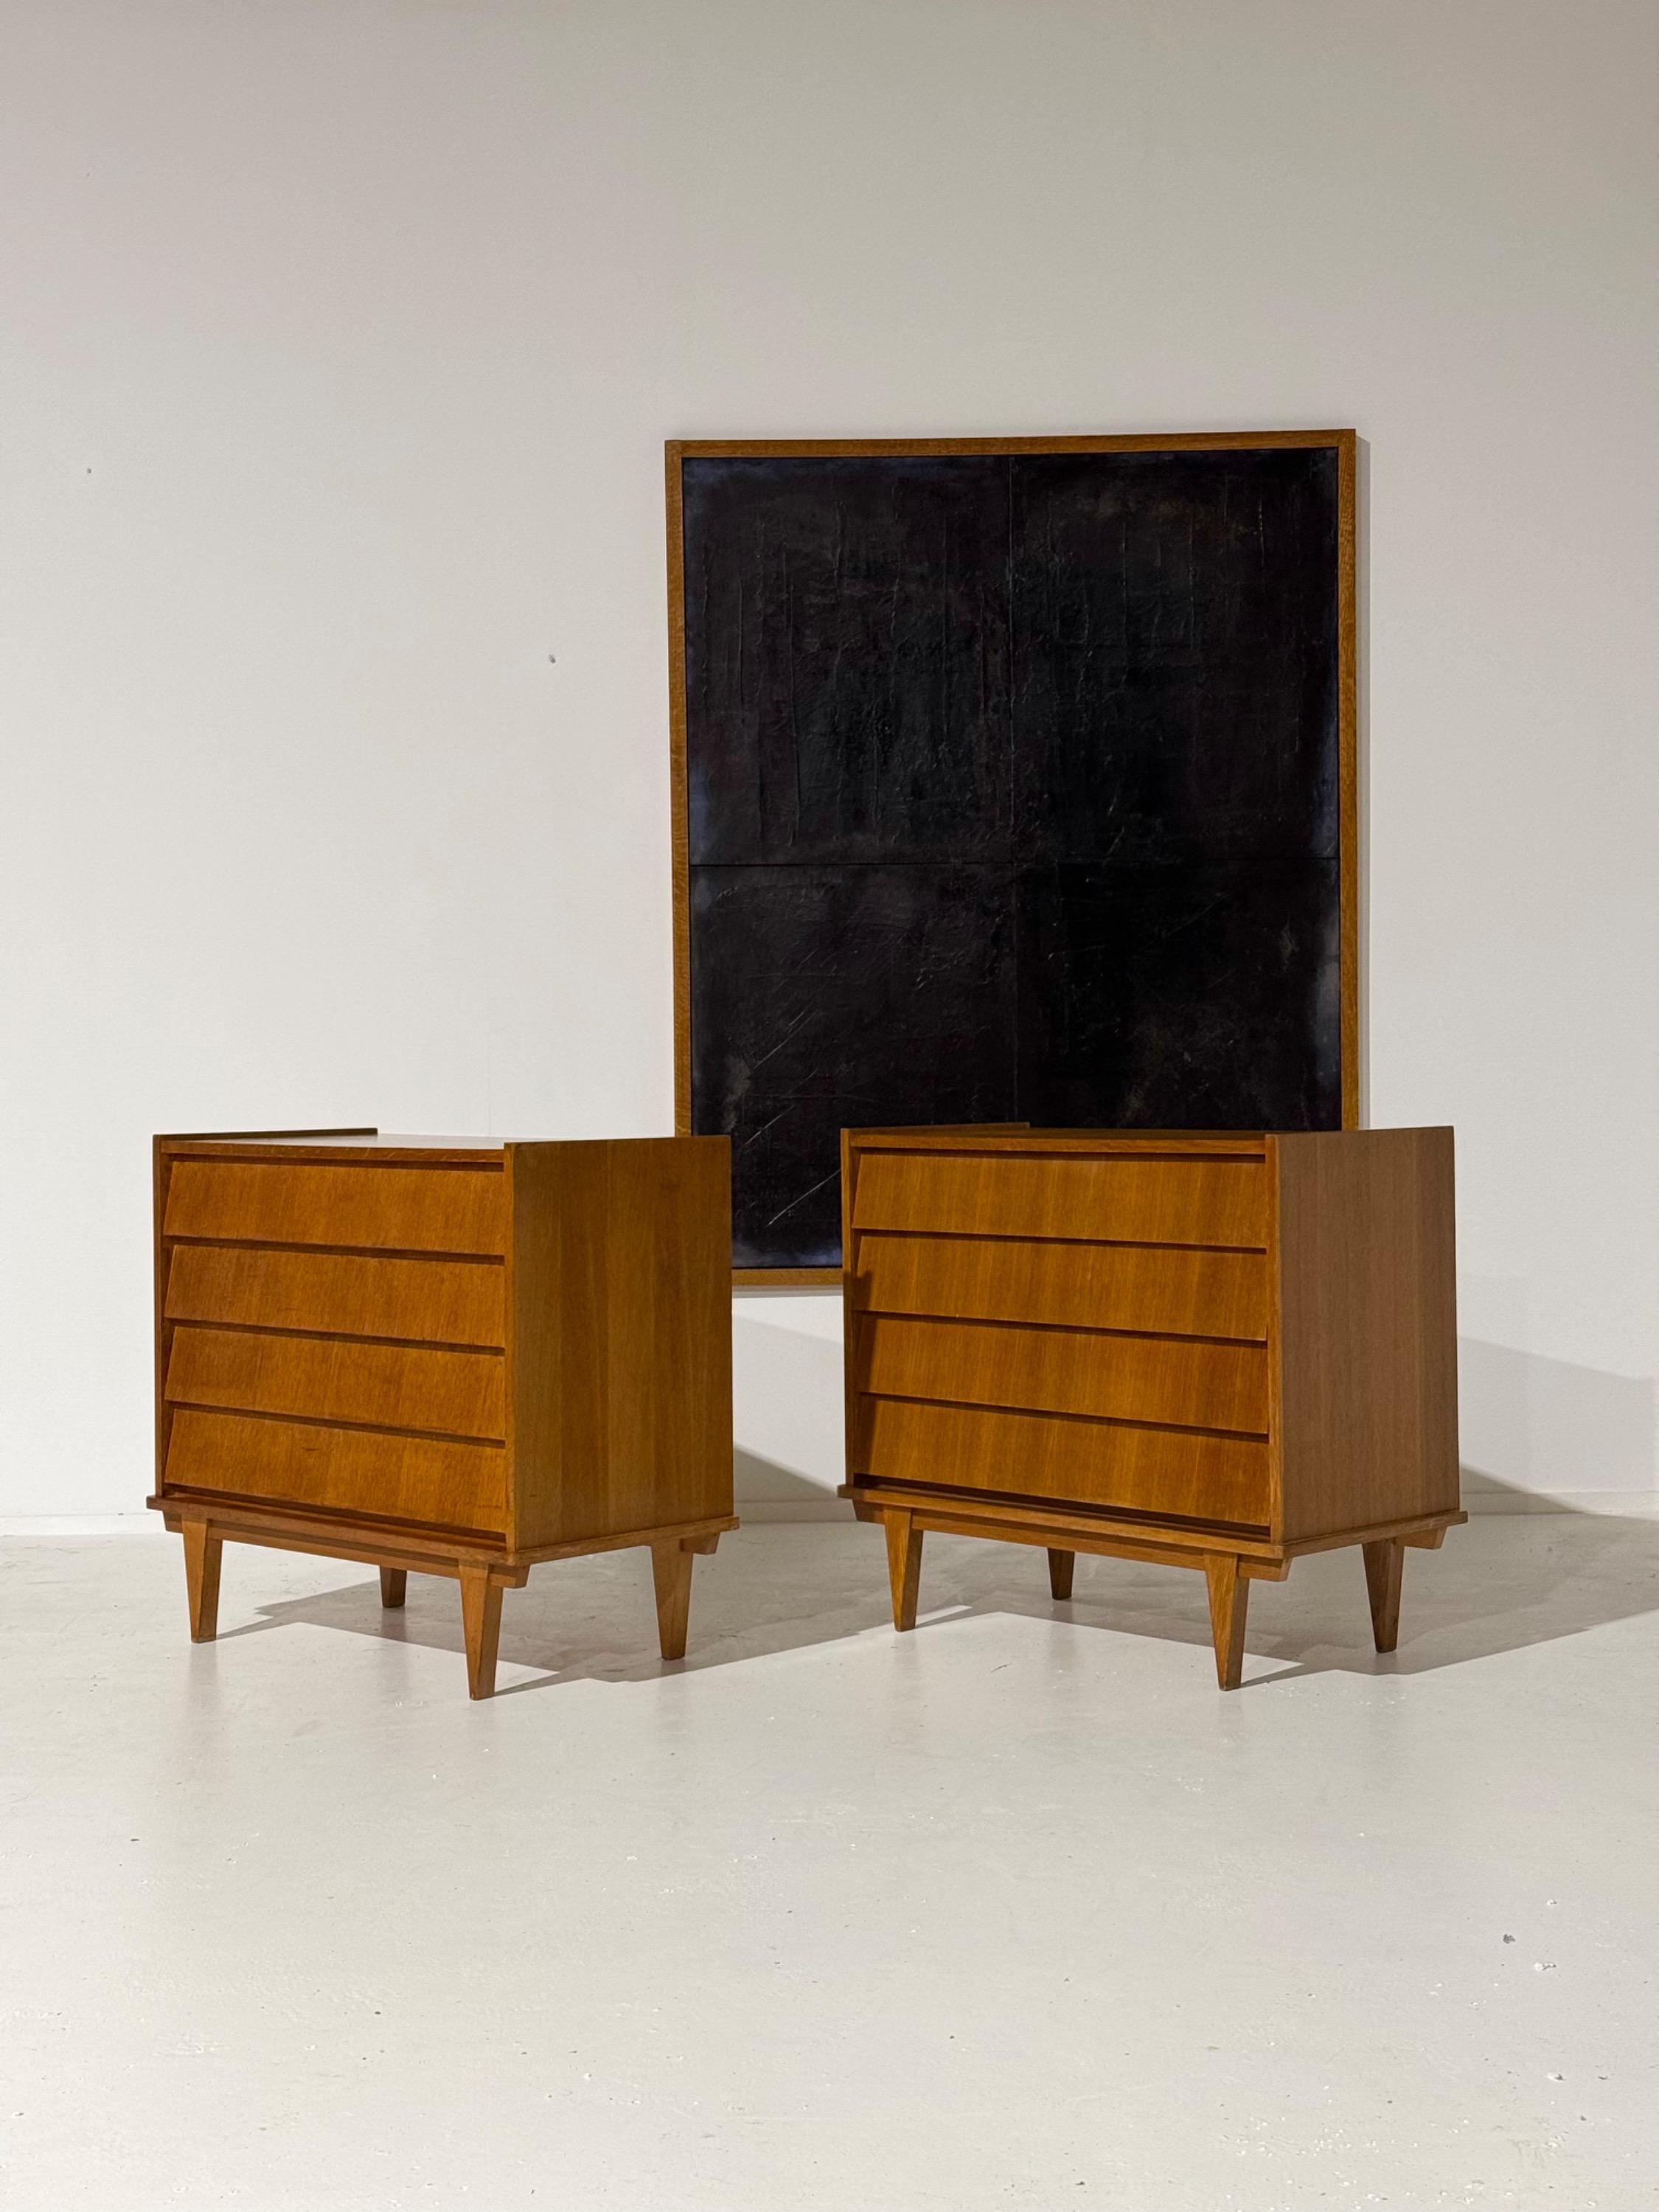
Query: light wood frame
<point x="1345" y="443"/>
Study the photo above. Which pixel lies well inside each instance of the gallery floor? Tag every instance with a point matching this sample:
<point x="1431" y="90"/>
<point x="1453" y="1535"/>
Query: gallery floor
<point x="1017" y="1910"/>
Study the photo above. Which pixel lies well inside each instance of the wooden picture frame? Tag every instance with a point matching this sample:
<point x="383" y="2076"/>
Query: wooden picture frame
<point x="1342" y="442"/>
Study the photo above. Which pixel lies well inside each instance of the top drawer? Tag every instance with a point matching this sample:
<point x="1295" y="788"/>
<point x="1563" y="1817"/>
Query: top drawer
<point x="1175" y="1201"/>
<point x="382" y="1209"/>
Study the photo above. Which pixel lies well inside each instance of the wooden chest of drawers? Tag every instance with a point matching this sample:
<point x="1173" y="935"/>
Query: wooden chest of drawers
<point x="1218" y="1351"/>
<point x="457" y="1358"/>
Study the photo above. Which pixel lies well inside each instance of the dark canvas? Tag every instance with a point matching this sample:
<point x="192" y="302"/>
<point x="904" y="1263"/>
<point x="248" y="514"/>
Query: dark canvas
<point x="1013" y="786"/>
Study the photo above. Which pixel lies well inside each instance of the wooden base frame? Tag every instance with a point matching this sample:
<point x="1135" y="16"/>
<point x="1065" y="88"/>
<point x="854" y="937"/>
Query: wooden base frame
<point x="484" y="1572"/>
<point x="1232" y="1558"/>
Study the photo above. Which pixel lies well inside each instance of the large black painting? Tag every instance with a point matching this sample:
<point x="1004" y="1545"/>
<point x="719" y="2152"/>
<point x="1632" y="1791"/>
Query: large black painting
<point x="1013" y="789"/>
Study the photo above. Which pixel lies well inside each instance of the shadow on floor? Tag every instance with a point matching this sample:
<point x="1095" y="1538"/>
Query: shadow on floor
<point x="1503" y="1582"/>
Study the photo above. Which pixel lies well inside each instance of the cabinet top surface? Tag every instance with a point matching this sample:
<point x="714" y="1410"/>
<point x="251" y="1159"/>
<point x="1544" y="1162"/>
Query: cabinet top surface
<point x="1249" y="1143"/>
<point x="335" y="1144"/>
<point x="377" y="1146"/>
<point x="1023" y="1139"/>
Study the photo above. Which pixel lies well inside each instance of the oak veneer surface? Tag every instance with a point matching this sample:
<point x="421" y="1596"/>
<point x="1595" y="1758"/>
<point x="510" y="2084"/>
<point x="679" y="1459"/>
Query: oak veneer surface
<point x="622" y="1389"/>
<point x="391" y="1206"/>
<point x="1187" y="1475"/>
<point x="433" y="1482"/>
<point x="453" y="1394"/>
<point x="457" y="1302"/>
<point x="1368" y="1324"/>
<point x="1076" y="1286"/>
<point x="983" y="1193"/>
<point x="394" y="1346"/>
<point x="1251" y="1328"/>
<point x="1157" y="1379"/>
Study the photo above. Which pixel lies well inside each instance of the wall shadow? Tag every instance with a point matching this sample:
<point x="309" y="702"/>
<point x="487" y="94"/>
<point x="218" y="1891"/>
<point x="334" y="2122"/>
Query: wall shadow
<point x="761" y="1481"/>
<point x="1548" y="1425"/>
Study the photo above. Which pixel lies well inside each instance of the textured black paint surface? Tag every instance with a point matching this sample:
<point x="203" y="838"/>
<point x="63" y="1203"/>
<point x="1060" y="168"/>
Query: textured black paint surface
<point x="1203" y="997"/>
<point x="847" y="660"/>
<point x="1013" y="794"/>
<point x="829" y="997"/>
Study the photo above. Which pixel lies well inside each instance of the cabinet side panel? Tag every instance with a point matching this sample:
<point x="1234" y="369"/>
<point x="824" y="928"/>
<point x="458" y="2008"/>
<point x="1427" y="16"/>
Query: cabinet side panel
<point x="1368" y="1319"/>
<point x="636" y="1430"/>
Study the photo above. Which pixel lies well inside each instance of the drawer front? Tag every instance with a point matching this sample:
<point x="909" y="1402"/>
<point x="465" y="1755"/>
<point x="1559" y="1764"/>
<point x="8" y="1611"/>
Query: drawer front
<point x="448" y="1394"/>
<point x="416" y="1209"/>
<point x="1142" y="1201"/>
<point x="1155" y="1471"/>
<point x="442" y="1485"/>
<point x="1170" y="1293"/>
<point x="1052" y="1370"/>
<point x="338" y="1293"/>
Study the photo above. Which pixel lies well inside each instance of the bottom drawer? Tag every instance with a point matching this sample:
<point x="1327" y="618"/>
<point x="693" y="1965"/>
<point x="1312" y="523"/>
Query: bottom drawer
<point x="446" y="1486"/>
<point x="1081" y="1462"/>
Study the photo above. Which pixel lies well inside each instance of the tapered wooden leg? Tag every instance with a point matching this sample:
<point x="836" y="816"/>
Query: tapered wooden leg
<point x="904" y="1566"/>
<point x="203" y="1552"/>
<point x="1061" y="1567"/>
<point x="671" y="1570"/>
<point x="481" y="1619"/>
<point x="1383" y="1563"/>
<point x="1229" y="1596"/>
<point x="394" y="1586"/>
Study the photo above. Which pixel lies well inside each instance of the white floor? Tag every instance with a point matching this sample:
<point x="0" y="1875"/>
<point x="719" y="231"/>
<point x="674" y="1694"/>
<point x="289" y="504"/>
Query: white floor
<point x="1017" y="1910"/>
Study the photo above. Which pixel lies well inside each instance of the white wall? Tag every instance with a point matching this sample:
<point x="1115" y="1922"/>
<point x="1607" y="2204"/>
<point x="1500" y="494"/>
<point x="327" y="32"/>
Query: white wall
<point x="340" y="338"/>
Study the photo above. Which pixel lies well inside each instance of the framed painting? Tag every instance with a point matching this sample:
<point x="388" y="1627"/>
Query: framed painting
<point x="1014" y="780"/>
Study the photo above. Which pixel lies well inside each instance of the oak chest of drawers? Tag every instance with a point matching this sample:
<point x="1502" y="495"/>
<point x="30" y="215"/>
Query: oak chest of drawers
<point x="456" y="1358"/>
<point x="1215" y="1351"/>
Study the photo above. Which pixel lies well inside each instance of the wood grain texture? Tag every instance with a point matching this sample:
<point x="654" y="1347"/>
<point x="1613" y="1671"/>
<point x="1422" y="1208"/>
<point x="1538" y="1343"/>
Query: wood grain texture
<point x="335" y="1293"/>
<point x="393" y="1208"/>
<point x="481" y="1625"/>
<point x="970" y="1193"/>
<point x="1367" y="1300"/>
<point x="445" y="1394"/>
<point x="619" y="1336"/>
<point x="1138" y="441"/>
<point x="160" y="1328"/>
<point x="382" y="1349"/>
<point x="1083" y="1287"/>
<point x="1062" y="1565"/>
<point x="1018" y="1140"/>
<point x="670" y="1575"/>
<point x="363" y="1471"/>
<point x="1072" y="1527"/>
<point x="1230" y="1595"/>
<point x="1160" y="1471"/>
<point x="679" y="833"/>
<point x="406" y="1544"/>
<point x="903" y="1565"/>
<point x="1045" y="1433"/>
<point x="1352" y="1025"/>
<point x="1384" y="1563"/>
<point x="203" y="1554"/>
<point x="1055" y="1370"/>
